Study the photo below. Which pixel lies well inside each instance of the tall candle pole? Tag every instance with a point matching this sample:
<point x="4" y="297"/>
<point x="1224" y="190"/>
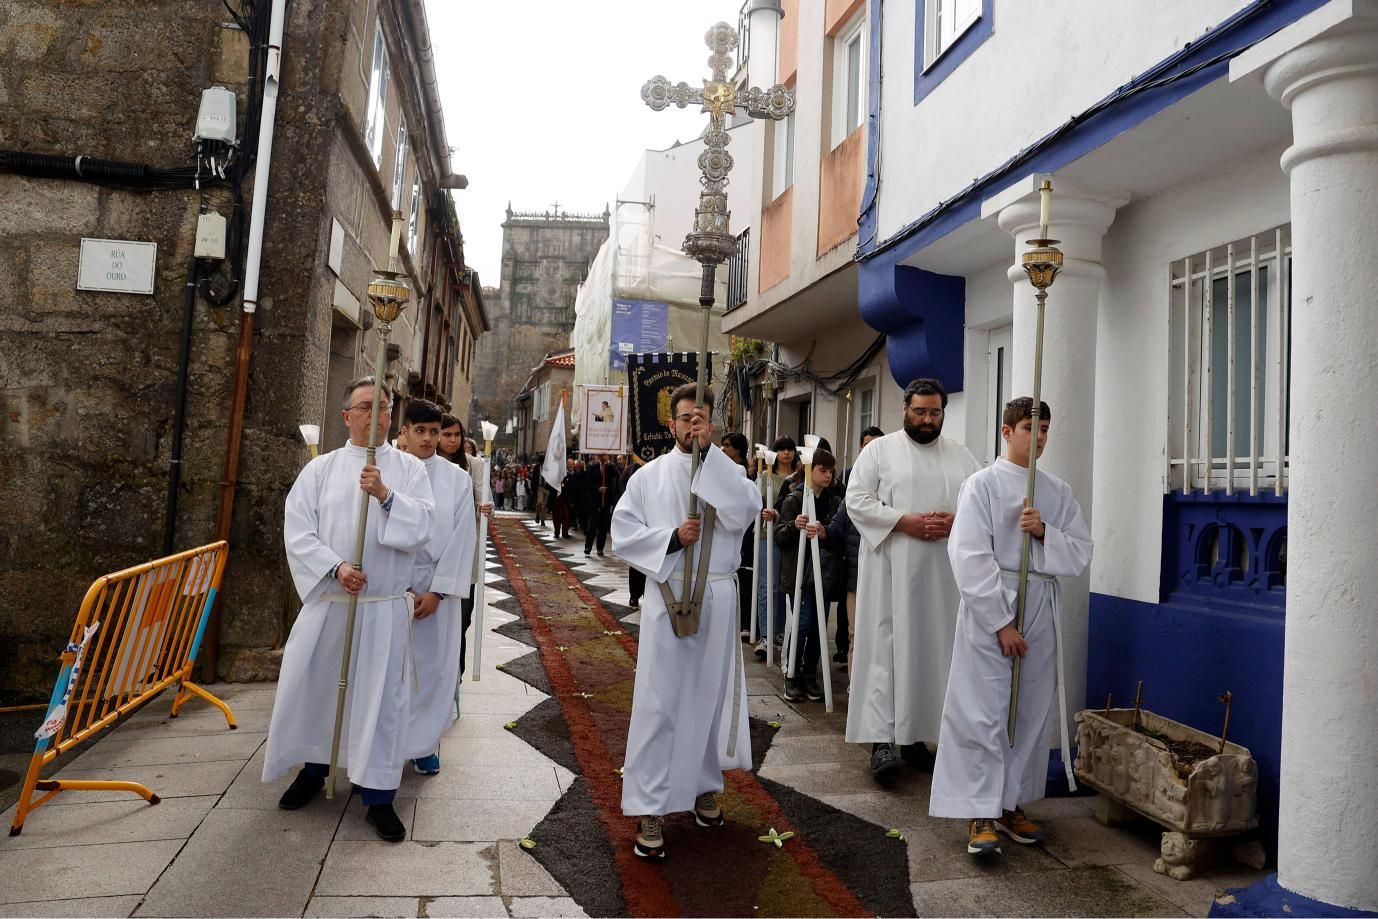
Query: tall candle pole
<point x="1042" y="263"/>
<point x="388" y="295"/>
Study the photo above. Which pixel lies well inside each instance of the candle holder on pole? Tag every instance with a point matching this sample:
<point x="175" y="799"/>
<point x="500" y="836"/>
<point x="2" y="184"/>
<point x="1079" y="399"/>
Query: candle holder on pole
<point x="388" y="295"/>
<point x="1041" y="263"/>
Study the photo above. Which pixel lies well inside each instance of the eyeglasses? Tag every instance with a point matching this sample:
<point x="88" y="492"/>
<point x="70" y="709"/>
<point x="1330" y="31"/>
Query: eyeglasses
<point x="934" y="413"/>
<point x="684" y="419"/>
<point x="384" y="408"/>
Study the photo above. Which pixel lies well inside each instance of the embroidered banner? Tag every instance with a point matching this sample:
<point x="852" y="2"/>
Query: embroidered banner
<point x="651" y="378"/>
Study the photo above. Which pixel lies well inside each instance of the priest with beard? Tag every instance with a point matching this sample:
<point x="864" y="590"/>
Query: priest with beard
<point x="901" y="496"/>
<point x="689" y="714"/>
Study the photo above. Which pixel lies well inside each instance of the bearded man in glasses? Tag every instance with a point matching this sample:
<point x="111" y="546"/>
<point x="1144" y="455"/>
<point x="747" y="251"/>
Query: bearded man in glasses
<point x="901" y="496"/>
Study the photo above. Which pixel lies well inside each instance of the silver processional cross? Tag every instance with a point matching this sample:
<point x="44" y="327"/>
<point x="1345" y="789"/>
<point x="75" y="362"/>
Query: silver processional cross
<point x="711" y="242"/>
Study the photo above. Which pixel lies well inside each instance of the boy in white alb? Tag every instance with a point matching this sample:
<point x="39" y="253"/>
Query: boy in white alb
<point x="978" y="775"/>
<point x="442" y="577"/>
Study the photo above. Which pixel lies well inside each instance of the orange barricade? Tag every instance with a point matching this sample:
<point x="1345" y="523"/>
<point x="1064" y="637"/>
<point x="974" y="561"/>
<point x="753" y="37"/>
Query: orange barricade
<point x="138" y="632"/>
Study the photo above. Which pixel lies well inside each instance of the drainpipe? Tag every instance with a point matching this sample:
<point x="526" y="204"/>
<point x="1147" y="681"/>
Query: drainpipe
<point x="267" y="118"/>
<point x="179" y="412"/>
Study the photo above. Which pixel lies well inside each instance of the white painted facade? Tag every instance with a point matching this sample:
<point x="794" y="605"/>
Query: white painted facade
<point x="812" y="313"/>
<point x="1227" y="162"/>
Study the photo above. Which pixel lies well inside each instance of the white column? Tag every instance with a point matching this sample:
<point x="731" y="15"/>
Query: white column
<point x="1080" y="219"/>
<point x="1324" y="68"/>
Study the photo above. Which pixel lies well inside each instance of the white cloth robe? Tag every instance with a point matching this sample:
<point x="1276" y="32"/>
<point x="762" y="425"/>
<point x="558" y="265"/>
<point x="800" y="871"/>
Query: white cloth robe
<point x="319" y="528"/>
<point x="906" y="598"/>
<point x="977" y="773"/>
<point x="682" y="701"/>
<point x="444" y="565"/>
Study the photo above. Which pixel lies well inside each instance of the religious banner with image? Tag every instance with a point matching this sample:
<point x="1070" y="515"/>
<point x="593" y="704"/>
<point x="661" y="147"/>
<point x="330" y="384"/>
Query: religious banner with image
<point x="603" y="428"/>
<point x="651" y="378"/>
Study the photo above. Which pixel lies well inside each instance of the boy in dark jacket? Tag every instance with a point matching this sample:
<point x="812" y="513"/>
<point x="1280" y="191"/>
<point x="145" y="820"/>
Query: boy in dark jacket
<point x="791" y="525"/>
<point x="843" y="533"/>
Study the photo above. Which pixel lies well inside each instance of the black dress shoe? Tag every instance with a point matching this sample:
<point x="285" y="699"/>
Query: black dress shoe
<point x="918" y="756"/>
<point x="299" y="794"/>
<point x="387" y="823"/>
<point x="884" y="764"/>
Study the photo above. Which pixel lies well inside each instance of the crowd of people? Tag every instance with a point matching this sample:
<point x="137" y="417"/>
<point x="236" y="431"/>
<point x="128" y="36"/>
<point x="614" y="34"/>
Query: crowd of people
<point x="918" y="548"/>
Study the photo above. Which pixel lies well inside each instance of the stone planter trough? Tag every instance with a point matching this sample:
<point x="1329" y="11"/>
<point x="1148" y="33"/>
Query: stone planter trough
<point x="1164" y="774"/>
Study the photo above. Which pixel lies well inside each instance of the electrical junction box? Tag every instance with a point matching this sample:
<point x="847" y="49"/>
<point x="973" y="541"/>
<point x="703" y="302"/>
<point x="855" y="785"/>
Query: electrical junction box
<point x="210" y="236"/>
<point x="216" y="119"/>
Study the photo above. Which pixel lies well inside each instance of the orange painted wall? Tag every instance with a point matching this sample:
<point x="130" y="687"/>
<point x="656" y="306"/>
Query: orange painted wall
<point x="839" y="191"/>
<point x="789" y="41"/>
<point x="776" y="227"/>
<point x="837" y="13"/>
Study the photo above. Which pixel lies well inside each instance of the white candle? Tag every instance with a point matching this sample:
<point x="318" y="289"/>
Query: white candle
<point x="1046" y="204"/>
<point x="396" y="245"/>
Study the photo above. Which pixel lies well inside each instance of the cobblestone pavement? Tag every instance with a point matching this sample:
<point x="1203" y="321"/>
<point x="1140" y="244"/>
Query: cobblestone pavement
<point x="218" y="845"/>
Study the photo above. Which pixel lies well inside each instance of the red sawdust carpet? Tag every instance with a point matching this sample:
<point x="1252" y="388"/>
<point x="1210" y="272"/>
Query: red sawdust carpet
<point x="590" y="660"/>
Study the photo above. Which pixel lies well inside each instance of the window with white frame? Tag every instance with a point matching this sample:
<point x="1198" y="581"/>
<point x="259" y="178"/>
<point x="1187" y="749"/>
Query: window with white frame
<point x="849" y="79"/>
<point x="944" y="22"/>
<point x="377" y="98"/>
<point x="414" y="224"/>
<point x="540" y="402"/>
<point x="1230" y="366"/>
<point x="782" y="171"/>
<point x="399" y="166"/>
<point x="865" y="410"/>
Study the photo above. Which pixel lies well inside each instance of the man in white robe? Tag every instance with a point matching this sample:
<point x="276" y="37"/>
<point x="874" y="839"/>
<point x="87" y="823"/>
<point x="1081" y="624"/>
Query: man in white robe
<point x="442" y="578"/>
<point x="689" y="716"/>
<point x="901" y="495"/>
<point x="978" y="775"/>
<point x="319" y="529"/>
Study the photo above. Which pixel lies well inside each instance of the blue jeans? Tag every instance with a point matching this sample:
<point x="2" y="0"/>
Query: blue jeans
<point x="761" y="592"/>
<point x="370" y="796"/>
<point x="809" y="647"/>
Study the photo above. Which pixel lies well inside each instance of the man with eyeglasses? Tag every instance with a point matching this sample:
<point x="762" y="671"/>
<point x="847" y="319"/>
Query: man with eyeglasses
<point x="320" y="527"/>
<point x="901" y="496"/>
<point x="689" y="719"/>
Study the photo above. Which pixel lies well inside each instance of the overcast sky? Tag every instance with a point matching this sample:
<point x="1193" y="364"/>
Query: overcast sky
<point x="543" y="100"/>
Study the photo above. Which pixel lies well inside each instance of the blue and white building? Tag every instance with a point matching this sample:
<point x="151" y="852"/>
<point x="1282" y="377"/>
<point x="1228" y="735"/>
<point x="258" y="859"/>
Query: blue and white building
<point x="1210" y="349"/>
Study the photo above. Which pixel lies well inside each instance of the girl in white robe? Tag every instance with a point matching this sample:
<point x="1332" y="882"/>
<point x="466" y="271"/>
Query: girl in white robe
<point x="319" y="528"/>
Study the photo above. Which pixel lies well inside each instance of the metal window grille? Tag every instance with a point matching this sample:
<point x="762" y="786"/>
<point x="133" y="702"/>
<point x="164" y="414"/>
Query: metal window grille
<point x="738" y="270"/>
<point x="1229" y="327"/>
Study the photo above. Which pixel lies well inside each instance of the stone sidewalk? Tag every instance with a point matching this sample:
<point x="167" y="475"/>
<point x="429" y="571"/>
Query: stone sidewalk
<point x="218" y="845"/>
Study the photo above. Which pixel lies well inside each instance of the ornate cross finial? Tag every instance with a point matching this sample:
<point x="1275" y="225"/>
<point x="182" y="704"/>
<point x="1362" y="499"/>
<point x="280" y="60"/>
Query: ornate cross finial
<point x="711" y="242"/>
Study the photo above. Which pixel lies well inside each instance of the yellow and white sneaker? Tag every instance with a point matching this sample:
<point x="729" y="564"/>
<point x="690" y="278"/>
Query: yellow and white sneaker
<point x="981" y="838"/>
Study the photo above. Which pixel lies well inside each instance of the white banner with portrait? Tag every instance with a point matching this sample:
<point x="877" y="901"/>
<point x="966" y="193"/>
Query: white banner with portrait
<point x="603" y="428"/>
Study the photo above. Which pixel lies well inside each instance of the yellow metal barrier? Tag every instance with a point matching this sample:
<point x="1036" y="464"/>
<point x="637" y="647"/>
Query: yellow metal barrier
<point x="137" y="633"/>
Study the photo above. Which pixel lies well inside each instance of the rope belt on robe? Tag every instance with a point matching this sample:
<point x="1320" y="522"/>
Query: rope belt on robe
<point x="704" y="578"/>
<point x="409" y="660"/>
<point x="1055" y="588"/>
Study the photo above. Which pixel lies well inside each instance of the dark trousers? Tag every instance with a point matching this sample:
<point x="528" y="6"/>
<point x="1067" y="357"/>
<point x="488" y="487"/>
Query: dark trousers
<point x="370" y="796"/>
<point x="809" y="647"/>
<point x="560" y="516"/>
<point x="596" y="527"/>
<point x="744" y="599"/>
<point x="636" y="584"/>
<point x="466" y="617"/>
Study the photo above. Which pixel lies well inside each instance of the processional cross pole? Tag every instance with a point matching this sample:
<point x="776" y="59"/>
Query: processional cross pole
<point x="711" y="242"/>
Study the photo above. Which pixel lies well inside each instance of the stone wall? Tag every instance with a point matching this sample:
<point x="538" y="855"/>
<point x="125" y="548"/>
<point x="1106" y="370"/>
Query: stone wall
<point x="544" y="259"/>
<point x="87" y="380"/>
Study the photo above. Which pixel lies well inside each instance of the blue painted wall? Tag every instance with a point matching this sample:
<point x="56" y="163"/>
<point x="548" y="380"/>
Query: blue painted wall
<point x="1218" y="626"/>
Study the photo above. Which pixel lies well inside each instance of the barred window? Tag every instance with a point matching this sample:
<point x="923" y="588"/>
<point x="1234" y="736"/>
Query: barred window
<point x="1229" y="330"/>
